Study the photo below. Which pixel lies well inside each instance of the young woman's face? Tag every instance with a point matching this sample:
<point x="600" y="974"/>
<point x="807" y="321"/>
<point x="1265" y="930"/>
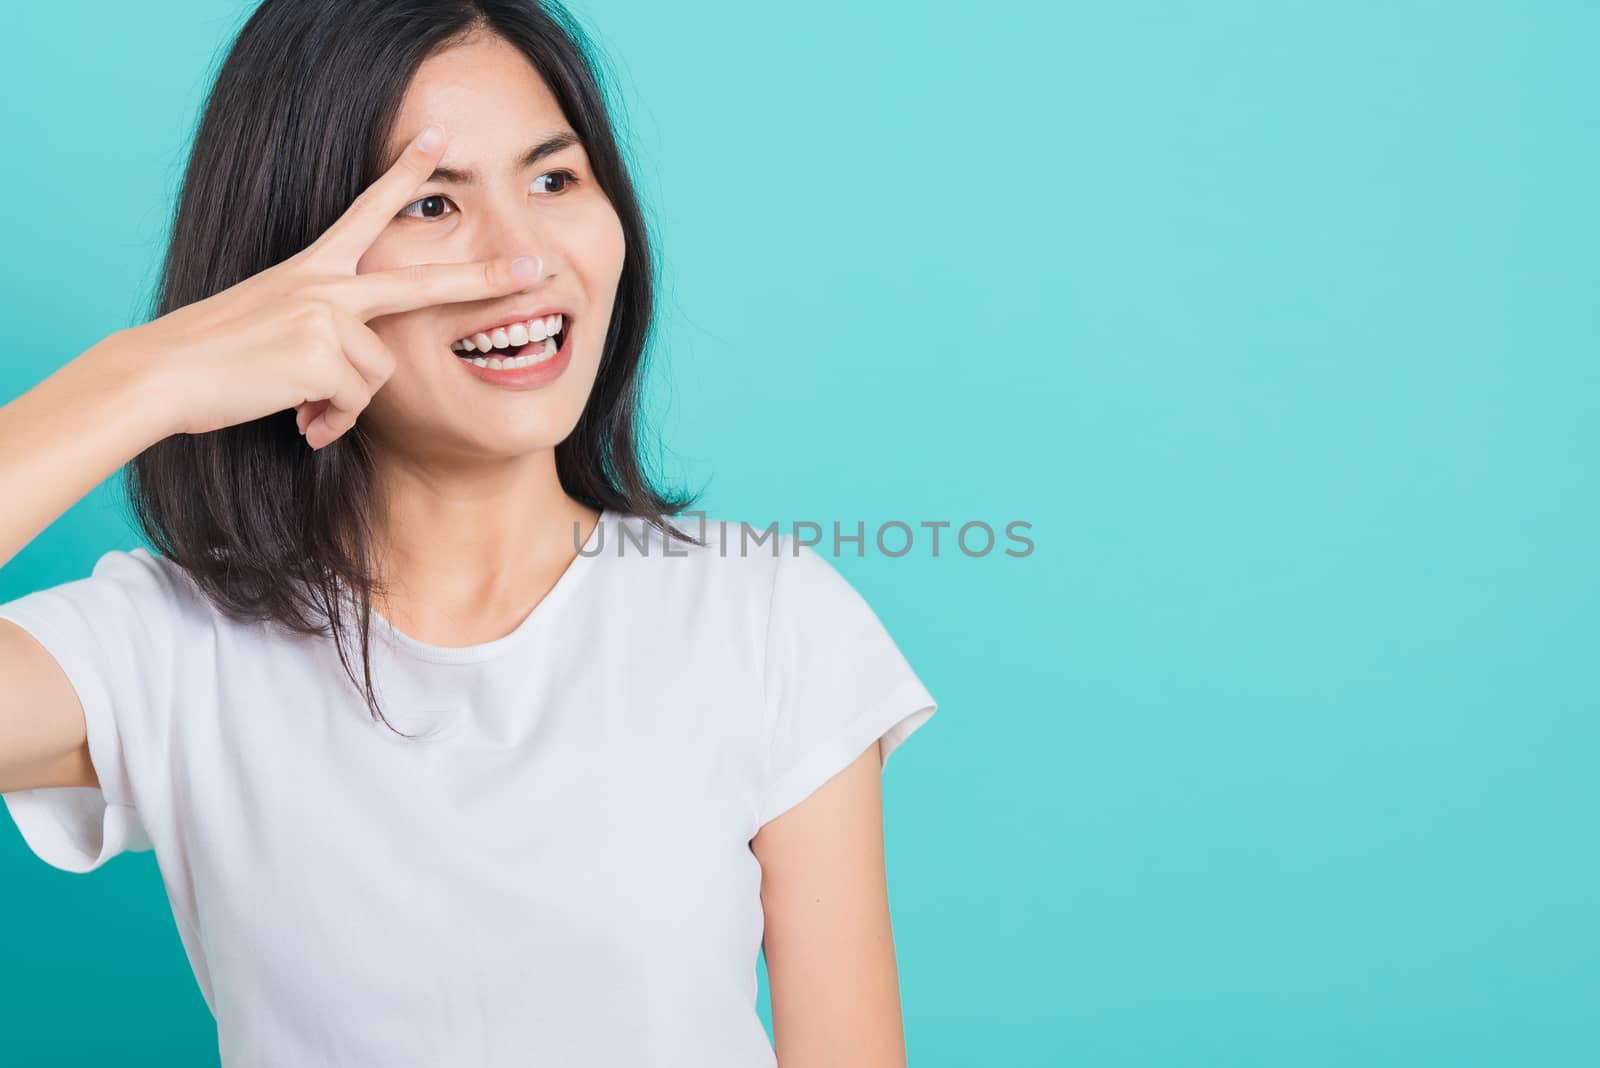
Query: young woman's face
<point x="494" y="107"/>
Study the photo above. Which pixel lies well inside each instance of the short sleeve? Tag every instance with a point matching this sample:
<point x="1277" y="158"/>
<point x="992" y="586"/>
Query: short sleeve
<point x="835" y="681"/>
<point x="113" y="635"/>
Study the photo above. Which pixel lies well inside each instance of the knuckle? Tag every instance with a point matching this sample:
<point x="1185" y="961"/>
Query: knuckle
<point x="420" y="281"/>
<point x="313" y="310"/>
<point x="317" y="337"/>
<point x="424" y="278"/>
<point x="318" y="327"/>
<point x="328" y="317"/>
<point x="314" y="355"/>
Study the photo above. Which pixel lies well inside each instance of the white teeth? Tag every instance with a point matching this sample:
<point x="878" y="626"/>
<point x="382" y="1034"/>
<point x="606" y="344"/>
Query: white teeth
<point x="495" y="363"/>
<point x="513" y="335"/>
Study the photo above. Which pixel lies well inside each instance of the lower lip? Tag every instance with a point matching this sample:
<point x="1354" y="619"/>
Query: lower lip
<point x="531" y="377"/>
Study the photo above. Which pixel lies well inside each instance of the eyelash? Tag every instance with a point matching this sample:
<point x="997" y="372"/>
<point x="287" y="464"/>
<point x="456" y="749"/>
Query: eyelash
<point x="569" y="177"/>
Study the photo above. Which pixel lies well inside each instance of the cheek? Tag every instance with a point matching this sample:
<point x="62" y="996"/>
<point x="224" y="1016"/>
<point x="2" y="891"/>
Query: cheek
<point x="394" y="248"/>
<point x="608" y="247"/>
<point x="405" y="331"/>
<point x="409" y="335"/>
<point x="383" y="255"/>
<point x="619" y="241"/>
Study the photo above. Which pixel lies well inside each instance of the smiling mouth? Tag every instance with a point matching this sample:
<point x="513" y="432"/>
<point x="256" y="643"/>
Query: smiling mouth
<point x="517" y="345"/>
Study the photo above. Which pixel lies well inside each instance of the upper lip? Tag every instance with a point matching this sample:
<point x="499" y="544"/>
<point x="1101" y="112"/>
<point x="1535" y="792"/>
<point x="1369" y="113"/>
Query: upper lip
<point x="518" y="317"/>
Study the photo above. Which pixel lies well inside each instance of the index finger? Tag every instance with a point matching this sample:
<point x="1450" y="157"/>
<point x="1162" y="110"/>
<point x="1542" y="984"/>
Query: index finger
<point x="424" y="284"/>
<point x="378" y="204"/>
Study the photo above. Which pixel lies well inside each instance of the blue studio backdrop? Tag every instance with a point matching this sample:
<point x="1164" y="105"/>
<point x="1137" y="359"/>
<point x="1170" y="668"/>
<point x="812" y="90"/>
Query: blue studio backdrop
<point x="1276" y="322"/>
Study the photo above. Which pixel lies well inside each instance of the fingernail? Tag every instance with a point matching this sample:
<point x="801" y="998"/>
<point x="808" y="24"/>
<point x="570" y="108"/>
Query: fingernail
<point x="430" y="139"/>
<point x="526" y="267"/>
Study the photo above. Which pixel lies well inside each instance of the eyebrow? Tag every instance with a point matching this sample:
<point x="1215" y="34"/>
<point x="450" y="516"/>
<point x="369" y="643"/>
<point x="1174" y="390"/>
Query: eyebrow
<point x="548" y="147"/>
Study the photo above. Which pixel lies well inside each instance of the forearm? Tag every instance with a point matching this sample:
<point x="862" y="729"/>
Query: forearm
<point x="71" y="432"/>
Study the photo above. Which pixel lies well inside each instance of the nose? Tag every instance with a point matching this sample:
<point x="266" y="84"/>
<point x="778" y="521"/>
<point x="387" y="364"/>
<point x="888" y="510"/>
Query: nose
<point x="512" y="231"/>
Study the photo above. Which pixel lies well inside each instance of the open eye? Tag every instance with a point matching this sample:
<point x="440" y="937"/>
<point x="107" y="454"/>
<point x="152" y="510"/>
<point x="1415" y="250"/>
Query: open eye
<point x="431" y="207"/>
<point x="568" y="179"/>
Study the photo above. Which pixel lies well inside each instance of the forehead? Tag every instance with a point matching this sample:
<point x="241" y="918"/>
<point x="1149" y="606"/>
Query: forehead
<point x="486" y="95"/>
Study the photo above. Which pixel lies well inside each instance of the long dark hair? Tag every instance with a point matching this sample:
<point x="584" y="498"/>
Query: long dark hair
<point x="294" y="128"/>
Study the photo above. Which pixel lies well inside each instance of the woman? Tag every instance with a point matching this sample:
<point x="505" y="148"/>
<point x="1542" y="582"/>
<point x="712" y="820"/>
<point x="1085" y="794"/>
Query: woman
<point x="455" y="742"/>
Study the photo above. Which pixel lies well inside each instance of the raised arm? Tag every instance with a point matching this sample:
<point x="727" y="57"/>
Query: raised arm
<point x="294" y="336"/>
<point x="58" y="441"/>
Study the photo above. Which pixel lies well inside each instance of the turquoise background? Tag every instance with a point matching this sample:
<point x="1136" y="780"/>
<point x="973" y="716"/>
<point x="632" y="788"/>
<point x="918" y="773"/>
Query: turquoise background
<point x="1277" y="321"/>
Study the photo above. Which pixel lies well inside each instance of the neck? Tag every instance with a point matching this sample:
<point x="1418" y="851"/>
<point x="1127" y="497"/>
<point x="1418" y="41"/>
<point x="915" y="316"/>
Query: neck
<point x="475" y="550"/>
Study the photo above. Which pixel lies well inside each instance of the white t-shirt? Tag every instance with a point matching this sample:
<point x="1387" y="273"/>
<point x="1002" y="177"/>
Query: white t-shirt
<point x="558" y="873"/>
